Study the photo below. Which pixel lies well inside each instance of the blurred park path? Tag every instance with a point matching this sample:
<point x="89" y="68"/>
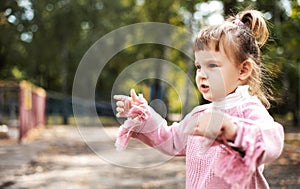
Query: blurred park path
<point x="60" y="158"/>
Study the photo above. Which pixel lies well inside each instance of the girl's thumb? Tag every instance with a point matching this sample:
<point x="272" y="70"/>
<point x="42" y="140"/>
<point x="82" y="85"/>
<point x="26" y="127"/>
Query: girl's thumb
<point x="133" y="95"/>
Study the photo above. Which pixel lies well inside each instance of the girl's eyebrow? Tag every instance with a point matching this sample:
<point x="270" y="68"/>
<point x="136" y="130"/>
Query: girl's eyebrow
<point x="211" y="60"/>
<point x="207" y="61"/>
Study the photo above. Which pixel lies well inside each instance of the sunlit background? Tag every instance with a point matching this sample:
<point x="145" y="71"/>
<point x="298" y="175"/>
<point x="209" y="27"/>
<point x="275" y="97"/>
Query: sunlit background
<point x="41" y="46"/>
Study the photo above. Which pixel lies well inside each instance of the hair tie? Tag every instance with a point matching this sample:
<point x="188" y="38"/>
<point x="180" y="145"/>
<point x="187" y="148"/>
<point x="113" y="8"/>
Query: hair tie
<point x="238" y="22"/>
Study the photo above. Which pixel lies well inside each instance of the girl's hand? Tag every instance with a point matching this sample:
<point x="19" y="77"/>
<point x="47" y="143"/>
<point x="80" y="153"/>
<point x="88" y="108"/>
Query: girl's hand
<point x="124" y="103"/>
<point x="213" y="125"/>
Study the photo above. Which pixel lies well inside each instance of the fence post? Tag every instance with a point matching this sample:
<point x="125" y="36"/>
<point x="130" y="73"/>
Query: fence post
<point x="32" y="107"/>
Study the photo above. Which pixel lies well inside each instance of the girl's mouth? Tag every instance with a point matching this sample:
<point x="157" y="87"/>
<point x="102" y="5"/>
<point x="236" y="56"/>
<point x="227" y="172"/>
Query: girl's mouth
<point x="204" y="88"/>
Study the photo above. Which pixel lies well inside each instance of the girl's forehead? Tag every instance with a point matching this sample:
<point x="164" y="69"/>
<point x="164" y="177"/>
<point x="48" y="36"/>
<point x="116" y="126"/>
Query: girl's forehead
<point x="206" y="55"/>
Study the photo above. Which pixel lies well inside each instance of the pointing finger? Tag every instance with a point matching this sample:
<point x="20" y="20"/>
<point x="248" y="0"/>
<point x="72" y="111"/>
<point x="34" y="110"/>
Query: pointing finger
<point x="120" y="97"/>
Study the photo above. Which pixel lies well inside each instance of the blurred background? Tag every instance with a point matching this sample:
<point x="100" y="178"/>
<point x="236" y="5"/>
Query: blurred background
<point x="43" y="42"/>
<point x="41" y="46"/>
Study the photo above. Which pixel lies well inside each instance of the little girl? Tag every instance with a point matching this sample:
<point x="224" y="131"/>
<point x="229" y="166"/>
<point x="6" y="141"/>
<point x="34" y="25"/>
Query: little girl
<point x="226" y="142"/>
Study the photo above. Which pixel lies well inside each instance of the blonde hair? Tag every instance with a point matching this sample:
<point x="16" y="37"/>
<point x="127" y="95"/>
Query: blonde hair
<point x="241" y="41"/>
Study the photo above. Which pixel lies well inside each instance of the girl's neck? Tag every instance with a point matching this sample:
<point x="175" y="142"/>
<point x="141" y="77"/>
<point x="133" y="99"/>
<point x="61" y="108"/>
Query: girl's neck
<point x="234" y="98"/>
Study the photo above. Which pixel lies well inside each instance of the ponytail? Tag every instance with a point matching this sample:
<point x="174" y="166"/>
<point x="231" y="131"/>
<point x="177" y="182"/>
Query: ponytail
<point x="255" y="21"/>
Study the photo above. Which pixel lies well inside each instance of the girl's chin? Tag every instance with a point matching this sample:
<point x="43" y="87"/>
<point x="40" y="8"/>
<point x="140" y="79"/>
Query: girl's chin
<point x="208" y="98"/>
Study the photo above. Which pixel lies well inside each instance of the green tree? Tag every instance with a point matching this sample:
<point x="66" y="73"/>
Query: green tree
<point x="14" y="26"/>
<point x="44" y="41"/>
<point x="287" y="48"/>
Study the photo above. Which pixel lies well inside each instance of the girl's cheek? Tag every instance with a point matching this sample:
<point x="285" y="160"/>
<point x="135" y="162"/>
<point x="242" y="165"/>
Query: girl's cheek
<point x="197" y="79"/>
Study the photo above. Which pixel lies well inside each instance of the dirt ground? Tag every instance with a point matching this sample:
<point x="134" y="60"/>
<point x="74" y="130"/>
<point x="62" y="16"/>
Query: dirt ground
<point x="85" y="157"/>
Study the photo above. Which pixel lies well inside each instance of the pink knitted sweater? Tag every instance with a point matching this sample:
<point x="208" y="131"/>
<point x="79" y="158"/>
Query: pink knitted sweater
<point x="211" y="164"/>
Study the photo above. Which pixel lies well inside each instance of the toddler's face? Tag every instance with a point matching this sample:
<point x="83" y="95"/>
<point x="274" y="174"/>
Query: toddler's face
<point x="216" y="75"/>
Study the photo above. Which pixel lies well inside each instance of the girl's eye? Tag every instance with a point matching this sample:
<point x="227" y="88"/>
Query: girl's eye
<point x="212" y="65"/>
<point x="198" y="67"/>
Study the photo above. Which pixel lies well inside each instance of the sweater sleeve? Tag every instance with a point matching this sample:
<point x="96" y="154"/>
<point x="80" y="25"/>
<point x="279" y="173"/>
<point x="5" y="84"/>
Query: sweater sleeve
<point x="259" y="140"/>
<point x="154" y="131"/>
<point x="259" y="134"/>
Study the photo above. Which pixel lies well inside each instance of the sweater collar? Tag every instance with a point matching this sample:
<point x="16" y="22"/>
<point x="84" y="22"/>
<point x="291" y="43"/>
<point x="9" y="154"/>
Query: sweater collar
<point x="240" y="94"/>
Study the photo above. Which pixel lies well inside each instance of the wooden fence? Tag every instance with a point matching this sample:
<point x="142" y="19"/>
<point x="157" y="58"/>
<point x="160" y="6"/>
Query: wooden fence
<point x="23" y="102"/>
<point x="32" y="108"/>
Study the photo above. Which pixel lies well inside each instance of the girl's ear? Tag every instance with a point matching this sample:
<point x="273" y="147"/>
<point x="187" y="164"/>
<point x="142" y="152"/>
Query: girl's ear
<point x="246" y="69"/>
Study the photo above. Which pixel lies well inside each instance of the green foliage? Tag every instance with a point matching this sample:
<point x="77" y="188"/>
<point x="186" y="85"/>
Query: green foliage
<point x="44" y="41"/>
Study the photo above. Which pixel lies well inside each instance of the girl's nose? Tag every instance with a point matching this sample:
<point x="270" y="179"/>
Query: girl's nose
<point x="201" y="74"/>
